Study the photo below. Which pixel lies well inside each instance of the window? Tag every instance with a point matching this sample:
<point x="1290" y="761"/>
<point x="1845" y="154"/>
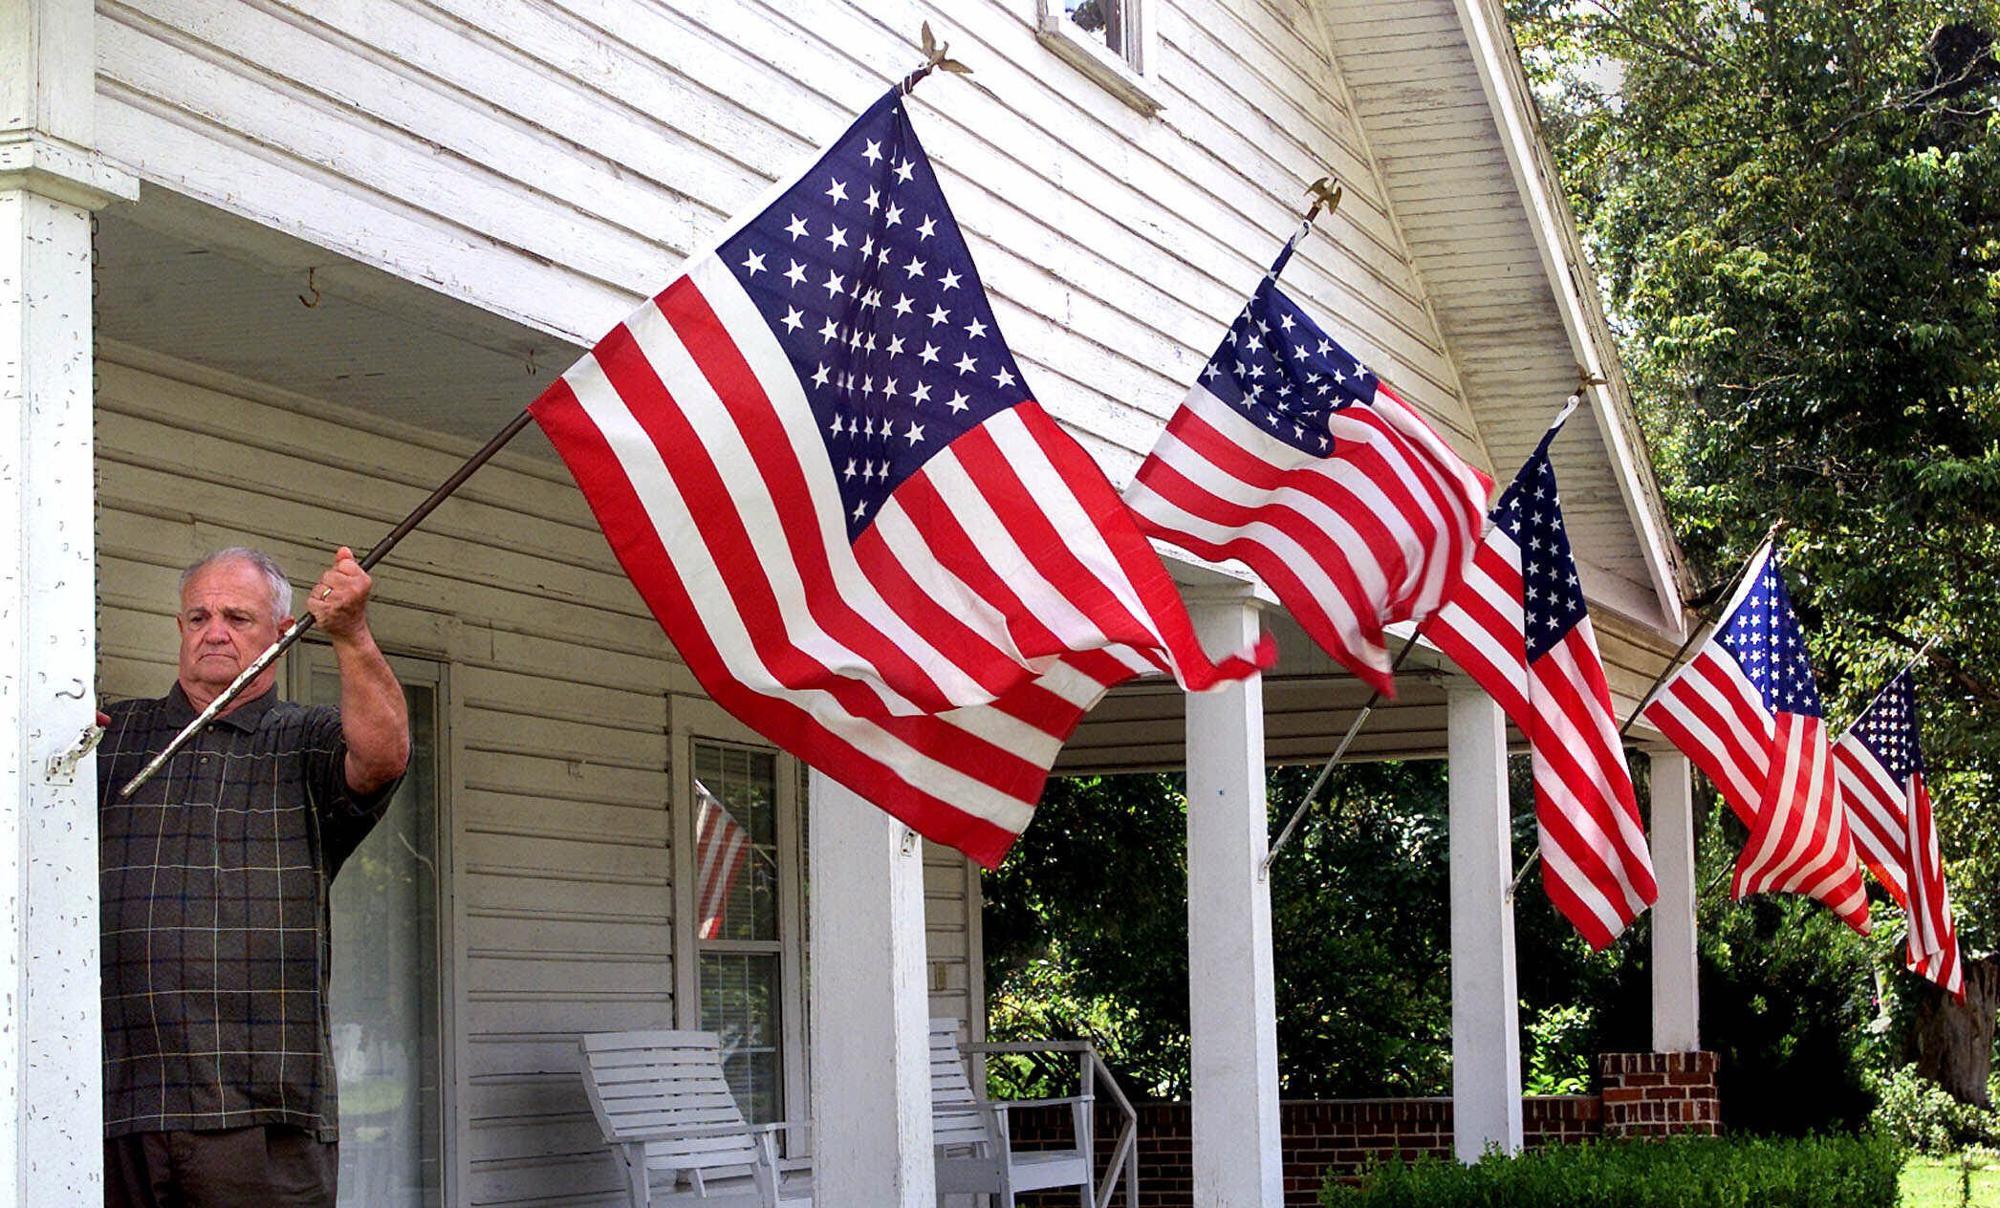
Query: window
<point x="738" y="895"/>
<point x="1111" y="41"/>
<point x="385" y="1010"/>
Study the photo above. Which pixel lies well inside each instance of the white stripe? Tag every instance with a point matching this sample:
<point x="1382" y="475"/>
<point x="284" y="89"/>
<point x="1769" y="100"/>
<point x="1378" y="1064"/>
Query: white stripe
<point x="1039" y="597"/>
<point x="749" y="497"/>
<point x="1598" y="751"/>
<point x="1745" y="779"/>
<point x="1776" y="799"/>
<point x="1589" y="833"/>
<point x="1224" y="486"/>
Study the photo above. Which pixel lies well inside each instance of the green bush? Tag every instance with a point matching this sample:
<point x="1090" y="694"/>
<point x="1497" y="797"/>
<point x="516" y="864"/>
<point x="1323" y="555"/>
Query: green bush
<point x="1921" y="1115"/>
<point x="1679" y="1172"/>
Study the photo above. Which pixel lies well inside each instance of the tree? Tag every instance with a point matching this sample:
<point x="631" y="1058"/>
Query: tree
<point x="1086" y="930"/>
<point x="1795" y="207"/>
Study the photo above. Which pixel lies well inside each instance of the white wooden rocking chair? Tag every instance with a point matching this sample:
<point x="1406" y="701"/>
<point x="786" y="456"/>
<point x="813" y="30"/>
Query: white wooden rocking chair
<point x="975" y="1151"/>
<point x="664" y="1106"/>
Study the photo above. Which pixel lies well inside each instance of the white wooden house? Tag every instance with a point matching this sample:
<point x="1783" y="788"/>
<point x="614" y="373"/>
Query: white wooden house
<point x="338" y="242"/>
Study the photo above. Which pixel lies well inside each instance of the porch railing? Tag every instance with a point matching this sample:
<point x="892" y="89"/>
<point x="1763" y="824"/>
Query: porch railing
<point x="1093" y="1078"/>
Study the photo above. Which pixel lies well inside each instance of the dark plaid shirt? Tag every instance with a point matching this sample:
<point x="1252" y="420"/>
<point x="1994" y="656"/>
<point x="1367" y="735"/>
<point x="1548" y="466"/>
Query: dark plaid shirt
<point x="215" y="946"/>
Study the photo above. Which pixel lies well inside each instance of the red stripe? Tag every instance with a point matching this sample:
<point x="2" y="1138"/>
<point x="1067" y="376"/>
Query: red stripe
<point x="1713" y="761"/>
<point x="1504" y="684"/>
<point x="1625" y="866"/>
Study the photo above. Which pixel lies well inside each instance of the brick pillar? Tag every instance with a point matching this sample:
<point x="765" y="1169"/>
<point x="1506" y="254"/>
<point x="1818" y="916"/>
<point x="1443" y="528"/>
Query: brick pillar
<point x="1658" y="1094"/>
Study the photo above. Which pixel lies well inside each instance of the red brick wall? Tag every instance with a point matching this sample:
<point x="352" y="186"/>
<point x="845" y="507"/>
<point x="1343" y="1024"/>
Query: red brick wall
<point x="1644" y="1094"/>
<point x="1653" y="1094"/>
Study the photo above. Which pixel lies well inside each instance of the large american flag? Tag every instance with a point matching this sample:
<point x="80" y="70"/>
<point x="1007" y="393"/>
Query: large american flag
<point x="1291" y="456"/>
<point x="1747" y="711"/>
<point x="817" y="460"/>
<point x="1880" y="769"/>
<point x="1518" y="626"/>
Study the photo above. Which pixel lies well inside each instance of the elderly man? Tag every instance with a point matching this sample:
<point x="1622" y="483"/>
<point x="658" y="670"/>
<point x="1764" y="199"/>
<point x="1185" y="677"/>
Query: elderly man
<point x="218" y="1082"/>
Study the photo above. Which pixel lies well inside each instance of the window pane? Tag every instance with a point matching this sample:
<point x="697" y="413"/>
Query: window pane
<point x="1104" y="20"/>
<point x="736" y="843"/>
<point x="384" y="1008"/>
<point x="740" y="1001"/>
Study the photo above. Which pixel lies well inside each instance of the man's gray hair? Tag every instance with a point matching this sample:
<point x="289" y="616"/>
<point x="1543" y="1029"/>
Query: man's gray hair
<point x="281" y="587"/>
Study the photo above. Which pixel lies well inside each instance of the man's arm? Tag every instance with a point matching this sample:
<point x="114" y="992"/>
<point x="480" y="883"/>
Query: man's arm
<point x="373" y="718"/>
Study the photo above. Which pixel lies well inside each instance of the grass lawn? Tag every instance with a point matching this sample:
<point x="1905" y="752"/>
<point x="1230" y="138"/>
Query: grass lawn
<point x="1934" y="1183"/>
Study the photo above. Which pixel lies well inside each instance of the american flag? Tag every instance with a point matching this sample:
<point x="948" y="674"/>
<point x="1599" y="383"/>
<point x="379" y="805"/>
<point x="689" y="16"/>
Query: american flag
<point x="1291" y="456"/>
<point x="1518" y="626"/>
<point x="722" y="850"/>
<point x="1747" y="711"/>
<point x="1880" y="769"/>
<point x="816" y="458"/>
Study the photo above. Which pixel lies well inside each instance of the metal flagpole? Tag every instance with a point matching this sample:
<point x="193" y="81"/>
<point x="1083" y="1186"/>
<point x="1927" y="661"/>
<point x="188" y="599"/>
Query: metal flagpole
<point x="305" y="623"/>
<point x="1360" y="719"/>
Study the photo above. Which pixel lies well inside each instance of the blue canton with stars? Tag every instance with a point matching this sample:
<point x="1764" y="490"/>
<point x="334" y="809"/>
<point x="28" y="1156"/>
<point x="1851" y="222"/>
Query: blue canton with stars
<point x="1889" y="729"/>
<point x="1765" y="638"/>
<point x="1531" y="513"/>
<point x="1285" y="373"/>
<point x="863" y="276"/>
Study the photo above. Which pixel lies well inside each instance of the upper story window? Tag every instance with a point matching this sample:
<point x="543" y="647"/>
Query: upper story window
<point x="1111" y="41"/>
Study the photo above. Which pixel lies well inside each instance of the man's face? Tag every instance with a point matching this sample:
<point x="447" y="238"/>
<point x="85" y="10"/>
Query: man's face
<point x="225" y="622"/>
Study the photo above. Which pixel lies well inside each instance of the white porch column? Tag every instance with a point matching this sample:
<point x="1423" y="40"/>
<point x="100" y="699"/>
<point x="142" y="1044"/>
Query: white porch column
<point x="1231" y="999"/>
<point x="51" y="1096"/>
<point x="1485" y="1025"/>
<point x="871" y="1088"/>
<point x="1676" y="1012"/>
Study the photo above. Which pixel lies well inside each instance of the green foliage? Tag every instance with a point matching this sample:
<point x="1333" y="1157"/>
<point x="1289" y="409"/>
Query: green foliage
<point x="1795" y="209"/>
<point x="1686" y="1172"/>
<point x="1921" y="1116"/>
<point x="1559" y="1050"/>
<point x="1086" y="931"/>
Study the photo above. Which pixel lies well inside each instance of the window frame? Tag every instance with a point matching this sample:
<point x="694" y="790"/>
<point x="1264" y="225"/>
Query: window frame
<point x="694" y="719"/>
<point x="433" y="671"/>
<point x="1132" y="77"/>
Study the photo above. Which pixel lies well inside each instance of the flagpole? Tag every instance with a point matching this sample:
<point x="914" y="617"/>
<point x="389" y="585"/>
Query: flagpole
<point x="1360" y="719"/>
<point x="304" y="624"/>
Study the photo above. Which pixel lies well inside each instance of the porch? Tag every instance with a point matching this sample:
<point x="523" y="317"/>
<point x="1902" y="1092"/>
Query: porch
<point x="567" y="744"/>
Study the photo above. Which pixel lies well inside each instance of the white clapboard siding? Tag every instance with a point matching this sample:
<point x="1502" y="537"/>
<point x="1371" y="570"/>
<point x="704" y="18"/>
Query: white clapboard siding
<point x="1417" y="92"/>
<point x="550" y="160"/>
<point x="557" y="682"/>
